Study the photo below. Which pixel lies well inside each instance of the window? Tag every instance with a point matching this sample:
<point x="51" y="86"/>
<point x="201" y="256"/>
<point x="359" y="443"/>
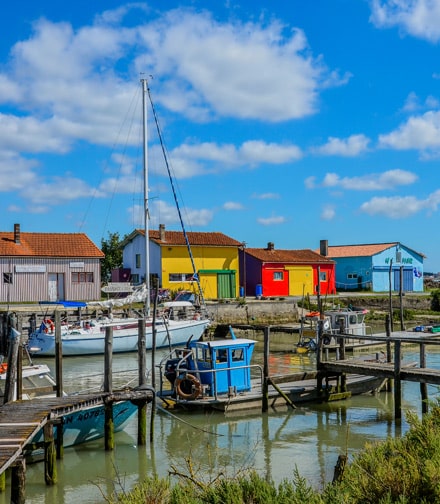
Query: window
<point x="7" y="278"/>
<point x="278" y="276"/>
<point x="237" y="354"/>
<point x="135" y="279"/>
<point x="181" y="277"/>
<point x="352" y="275"/>
<point x="323" y="276"/>
<point x="138" y="260"/>
<point x="82" y="277"/>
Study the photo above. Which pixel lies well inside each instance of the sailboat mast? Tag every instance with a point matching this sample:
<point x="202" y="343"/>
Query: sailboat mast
<point x="146" y="212"/>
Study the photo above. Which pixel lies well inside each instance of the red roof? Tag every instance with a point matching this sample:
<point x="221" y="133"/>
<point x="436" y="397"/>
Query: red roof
<point x="48" y="245"/>
<point x="305" y="256"/>
<point x="195" y="238"/>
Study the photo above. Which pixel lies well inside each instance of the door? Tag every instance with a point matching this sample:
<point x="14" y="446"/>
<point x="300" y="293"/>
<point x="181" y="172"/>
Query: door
<point x="300" y="280"/>
<point x="56" y="286"/>
<point x="226" y="285"/>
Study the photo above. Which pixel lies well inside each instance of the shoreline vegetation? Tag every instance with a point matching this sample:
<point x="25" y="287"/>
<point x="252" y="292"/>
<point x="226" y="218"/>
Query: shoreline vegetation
<point x="404" y="470"/>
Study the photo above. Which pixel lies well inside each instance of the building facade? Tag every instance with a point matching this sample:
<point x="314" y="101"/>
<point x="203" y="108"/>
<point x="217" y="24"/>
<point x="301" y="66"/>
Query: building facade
<point x="378" y="267"/>
<point x="270" y="272"/>
<point x="49" y="267"/>
<point x="213" y="257"/>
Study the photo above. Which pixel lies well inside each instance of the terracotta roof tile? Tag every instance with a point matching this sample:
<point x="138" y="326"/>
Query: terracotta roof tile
<point x="213" y="239"/>
<point x="48" y="245"/>
<point x="288" y="256"/>
<point x="358" y="250"/>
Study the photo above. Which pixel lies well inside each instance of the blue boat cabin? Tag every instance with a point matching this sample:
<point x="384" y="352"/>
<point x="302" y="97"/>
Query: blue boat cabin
<point x="223" y="365"/>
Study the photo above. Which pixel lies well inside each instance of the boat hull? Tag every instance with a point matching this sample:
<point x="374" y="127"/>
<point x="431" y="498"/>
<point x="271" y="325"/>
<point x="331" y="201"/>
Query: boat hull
<point x="125" y="339"/>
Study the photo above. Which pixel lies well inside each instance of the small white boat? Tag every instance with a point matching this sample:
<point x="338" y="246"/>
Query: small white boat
<point x="88" y="337"/>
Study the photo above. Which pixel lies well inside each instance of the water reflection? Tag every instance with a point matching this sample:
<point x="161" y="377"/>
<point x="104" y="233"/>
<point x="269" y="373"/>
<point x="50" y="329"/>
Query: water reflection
<point x="309" y="438"/>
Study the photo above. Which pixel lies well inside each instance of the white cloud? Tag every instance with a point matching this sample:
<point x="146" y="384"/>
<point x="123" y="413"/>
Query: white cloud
<point x="399" y="207"/>
<point x="348" y="147"/>
<point x="328" y="213"/>
<point x="265" y="196"/>
<point x="242" y="70"/>
<point x="418" y="132"/>
<point x="164" y="213"/>
<point x="419" y="18"/>
<point x="269" y="221"/>
<point x="372" y="182"/>
<point x="232" y="205"/>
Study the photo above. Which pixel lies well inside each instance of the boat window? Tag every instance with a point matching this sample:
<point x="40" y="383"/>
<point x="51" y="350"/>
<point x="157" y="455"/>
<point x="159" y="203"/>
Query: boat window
<point x="222" y="355"/>
<point x="237" y="354"/>
<point x="352" y="319"/>
<point x="360" y="318"/>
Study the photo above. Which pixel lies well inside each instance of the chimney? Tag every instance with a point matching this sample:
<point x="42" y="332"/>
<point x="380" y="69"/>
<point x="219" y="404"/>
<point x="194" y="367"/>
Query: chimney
<point x="162" y="232"/>
<point x="270" y="246"/>
<point x="17" y="233"/>
<point x="323" y="247"/>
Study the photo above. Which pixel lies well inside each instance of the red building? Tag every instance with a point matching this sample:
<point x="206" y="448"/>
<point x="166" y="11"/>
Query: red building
<point x="269" y="272"/>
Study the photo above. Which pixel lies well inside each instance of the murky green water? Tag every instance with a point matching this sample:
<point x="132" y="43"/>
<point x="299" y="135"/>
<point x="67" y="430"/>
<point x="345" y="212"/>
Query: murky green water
<point x="309" y="438"/>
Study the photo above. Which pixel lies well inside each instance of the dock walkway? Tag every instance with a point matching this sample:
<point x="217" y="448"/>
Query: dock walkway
<point x="20" y="421"/>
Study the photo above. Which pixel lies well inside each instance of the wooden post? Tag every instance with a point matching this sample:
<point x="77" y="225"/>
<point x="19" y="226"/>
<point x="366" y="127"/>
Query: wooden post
<point x="402" y="325"/>
<point x="50" y="466"/>
<point x="343" y="387"/>
<point x="58" y="355"/>
<point x="397" y="381"/>
<point x="2" y="481"/>
<point x="265" y="384"/>
<point x="109" y="439"/>
<point x="390" y="381"/>
<point x="423" y="385"/>
<point x="18" y="481"/>
<point x="142" y="407"/>
<point x="319" y="357"/>
<point x="11" y="374"/>
<point x="390" y="294"/>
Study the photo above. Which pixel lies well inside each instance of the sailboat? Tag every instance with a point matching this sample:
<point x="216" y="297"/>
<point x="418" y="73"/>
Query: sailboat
<point x="174" y="326"/>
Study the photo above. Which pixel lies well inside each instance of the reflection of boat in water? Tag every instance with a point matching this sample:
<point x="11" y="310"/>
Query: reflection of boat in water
<point x="217" y="375"/>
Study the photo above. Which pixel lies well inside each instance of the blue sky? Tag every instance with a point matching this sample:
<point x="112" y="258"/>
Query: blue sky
<point x="287" y="122"/>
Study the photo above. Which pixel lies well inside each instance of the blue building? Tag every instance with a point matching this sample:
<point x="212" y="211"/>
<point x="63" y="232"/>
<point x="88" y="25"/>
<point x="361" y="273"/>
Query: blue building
<point x="374" y="266"/>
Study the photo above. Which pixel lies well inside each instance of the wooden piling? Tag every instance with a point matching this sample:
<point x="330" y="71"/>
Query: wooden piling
<point x="58" y="355"/>
<point x="423" y="385"/>
<point x="265" y="387"/>
<point x="11" y="374"/>
<point x="18" y="481"/>
<point x="397" y="381"/>
<point x="50" y="466"/>
<point x="109" y="440"/>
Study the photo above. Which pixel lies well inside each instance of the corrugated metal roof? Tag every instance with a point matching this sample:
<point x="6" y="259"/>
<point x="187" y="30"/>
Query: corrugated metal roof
<point x="213" y="239"/>
<point x="48" y="245"/>
<point x="288" y="256"/>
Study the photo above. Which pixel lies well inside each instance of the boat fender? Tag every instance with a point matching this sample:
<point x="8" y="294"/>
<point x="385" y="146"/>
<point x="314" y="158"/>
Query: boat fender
<point x="196" y="386"/>
<point x="50" y="326"/>
<point x="326" y="340"/>
<point x="3" y="368"/>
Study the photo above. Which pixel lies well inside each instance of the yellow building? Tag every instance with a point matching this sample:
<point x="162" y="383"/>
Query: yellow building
<point x="214" y="260"/>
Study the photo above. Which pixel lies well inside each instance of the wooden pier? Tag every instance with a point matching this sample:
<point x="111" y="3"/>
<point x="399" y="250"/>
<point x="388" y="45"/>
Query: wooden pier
<point x="389" y="367"/>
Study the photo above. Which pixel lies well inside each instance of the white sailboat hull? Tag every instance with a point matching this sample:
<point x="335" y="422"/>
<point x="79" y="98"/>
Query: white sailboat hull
<point x="125" y="338"/>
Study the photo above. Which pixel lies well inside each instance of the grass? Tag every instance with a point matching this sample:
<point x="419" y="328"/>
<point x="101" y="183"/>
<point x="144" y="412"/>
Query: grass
<point x="402" y="470"/>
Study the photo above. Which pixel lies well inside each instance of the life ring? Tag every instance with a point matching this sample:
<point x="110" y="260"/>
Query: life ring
<point x="184" y="381"/>
<point x="49" y="326"/>
<point x="3" y="368"/>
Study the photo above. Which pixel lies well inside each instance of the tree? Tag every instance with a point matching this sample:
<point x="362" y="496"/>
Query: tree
<point x="113" y="256"/>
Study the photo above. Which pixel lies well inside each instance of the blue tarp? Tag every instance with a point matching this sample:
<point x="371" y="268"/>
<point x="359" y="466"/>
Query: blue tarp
<point x="66" y="304"/>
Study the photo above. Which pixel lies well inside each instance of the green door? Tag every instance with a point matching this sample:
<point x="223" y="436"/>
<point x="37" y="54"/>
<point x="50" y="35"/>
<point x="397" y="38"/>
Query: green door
<point x="226" y="285"/>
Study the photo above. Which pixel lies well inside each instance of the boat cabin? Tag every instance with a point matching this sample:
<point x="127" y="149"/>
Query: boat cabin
<point x="353" y="321"/>
<point x="224" y="365"/>
<point x="209" y="368"/>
